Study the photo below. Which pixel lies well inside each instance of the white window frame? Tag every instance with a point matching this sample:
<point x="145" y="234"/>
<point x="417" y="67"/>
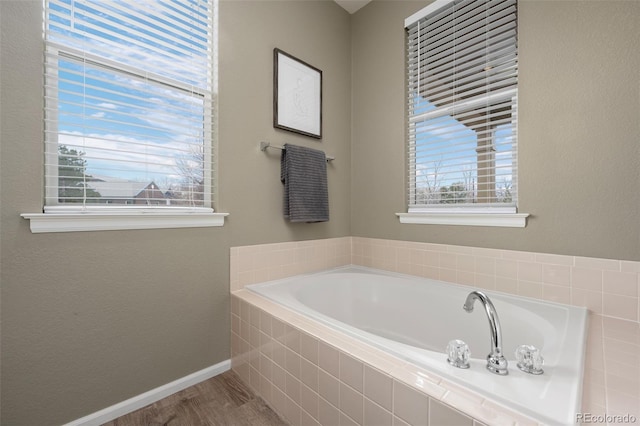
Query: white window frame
<point x="73" y="218"/>
<point x="471" y="215"/>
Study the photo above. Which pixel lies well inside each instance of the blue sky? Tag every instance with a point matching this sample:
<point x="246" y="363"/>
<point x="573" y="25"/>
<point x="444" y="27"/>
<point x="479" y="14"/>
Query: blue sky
<point x="103" y="112"/>
<point x="434" y="149"/>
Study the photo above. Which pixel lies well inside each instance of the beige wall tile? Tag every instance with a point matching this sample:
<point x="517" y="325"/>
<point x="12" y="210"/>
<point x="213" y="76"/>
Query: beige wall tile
<point x="622" y="352"/>
<point x="279" y="354"/>
<point x="628" y="383"/>
<point x="507" y="268"/>
<point x="448" y="261"/>
<point x="530" y="289"/>
<point x="328" y="414"/>
<point x="589" y="299"/>
<point x="443" y="415"/>
<point x="351" y="372"/>
<point x="519" y="255"/>
<point x="292" y="387"/>
<point x="397" y="421"/>
<point x="351" y="403"/>
<point x="594" y="263"/>
<point x="309" y="347"/>
<point x="292" y="338"/>
<point x="254" y="316"/>
<point x="485" y="265"/>
<point x="620" y="306"/>
<point x="292" y="362"/>
<point x="487" y="252"/>
<point x="279" y="377"/>
<point x="507" y="285"/>
<point x="309" y="374"/>
<point x="265" y="322"/>
<point x="292" y="411"/>
<point x="374" y="415"/>
<point x="347" y="421"/>
<point x="556" y="293"/>
<point x="448" y="275"/>
<point x="556" y="274"/>
<point x="587" y="279"/>
<point x="378" y="387"/>
<point x="466" y="278"/>
<point x="328" y="387"/>
<point x="431" y="272"/>
<point x="432" y="258"/>
<point x="593" y="395"/>
<point x="626" y="331"/>
<point x="266" y="366"/>
<point x="554" y="259"/>
<point x="309" y="401"/>
<point x="466" y="263"/>
<point x="307" y="420"/>
<point x="410" y="405"/>
<point x="624" y="404"/>
<point x="487" y="282"/>
<point x="529" y="271"/>
<point x="328" y="359"/>
<point x="629" y="266"/>
<point x="622" y="283"/>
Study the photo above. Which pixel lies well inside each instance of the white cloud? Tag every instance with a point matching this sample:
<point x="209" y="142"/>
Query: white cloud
<point x="107" y="105"/>
<point x="116" y="156"/>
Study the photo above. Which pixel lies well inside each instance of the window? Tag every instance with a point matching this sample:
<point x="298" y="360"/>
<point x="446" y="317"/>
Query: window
<point x="129" y="103"/>
<point x="462" y="103"/>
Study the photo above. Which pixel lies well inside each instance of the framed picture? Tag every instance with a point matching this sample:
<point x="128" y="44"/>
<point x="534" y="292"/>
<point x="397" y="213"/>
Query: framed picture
<point x="297" y="95"/>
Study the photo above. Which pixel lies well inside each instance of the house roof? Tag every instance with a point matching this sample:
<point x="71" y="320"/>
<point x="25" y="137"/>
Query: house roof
<point x="118" y="188"/>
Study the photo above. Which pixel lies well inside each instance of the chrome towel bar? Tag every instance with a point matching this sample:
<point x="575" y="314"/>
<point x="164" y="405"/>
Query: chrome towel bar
<point x="265" y="145"/>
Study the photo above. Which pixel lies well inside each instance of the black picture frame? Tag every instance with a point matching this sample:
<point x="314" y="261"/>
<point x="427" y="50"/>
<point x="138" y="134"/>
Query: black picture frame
<point x="297" y="95"/>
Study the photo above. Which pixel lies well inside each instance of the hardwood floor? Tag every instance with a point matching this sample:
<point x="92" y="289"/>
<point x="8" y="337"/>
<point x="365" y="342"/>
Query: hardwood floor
<point x="222" y="400"/>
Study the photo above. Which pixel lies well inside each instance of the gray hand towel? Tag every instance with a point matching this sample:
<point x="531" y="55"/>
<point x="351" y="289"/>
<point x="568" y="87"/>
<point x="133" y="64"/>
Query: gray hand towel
<point x="304" y="174"/>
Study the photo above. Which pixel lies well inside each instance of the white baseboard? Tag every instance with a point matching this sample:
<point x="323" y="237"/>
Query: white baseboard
<point x="142" y="400"/>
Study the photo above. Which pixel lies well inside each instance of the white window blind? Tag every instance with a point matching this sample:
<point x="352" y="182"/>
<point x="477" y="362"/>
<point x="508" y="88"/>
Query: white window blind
<point x="462" y="94"/>
<point x="129" y="104"/>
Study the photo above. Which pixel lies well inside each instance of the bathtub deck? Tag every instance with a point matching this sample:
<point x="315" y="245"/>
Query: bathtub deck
<point x="222" y="400"/>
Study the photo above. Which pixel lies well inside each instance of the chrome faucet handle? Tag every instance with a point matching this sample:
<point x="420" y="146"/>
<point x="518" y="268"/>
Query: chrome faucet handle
<point x="529" y="359"/>
<point x="458" y="354"/>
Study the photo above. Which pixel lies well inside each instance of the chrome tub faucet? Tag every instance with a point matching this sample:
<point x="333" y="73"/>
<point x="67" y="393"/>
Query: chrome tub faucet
<point x="496" y="362"/>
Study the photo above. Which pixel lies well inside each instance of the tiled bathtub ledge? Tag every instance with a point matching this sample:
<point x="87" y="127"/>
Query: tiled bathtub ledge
<point x="608" y="288"/>
<point x="312" y="375"/>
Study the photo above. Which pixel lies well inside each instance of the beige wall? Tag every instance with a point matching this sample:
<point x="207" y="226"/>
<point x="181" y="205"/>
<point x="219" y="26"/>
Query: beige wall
<point x="90" y="319"/>
<point x="579" y="130"/>
<point x="316" y="32"/>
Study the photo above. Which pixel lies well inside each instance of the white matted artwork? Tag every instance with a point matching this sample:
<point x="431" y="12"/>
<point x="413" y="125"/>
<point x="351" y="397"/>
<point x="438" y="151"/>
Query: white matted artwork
<point x="297" y="95"/>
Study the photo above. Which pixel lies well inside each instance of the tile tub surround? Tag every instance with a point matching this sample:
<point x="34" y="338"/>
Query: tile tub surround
<point x="609" y="288"/>
<point x="258" y="263"/>
<point x="312" y="375"/>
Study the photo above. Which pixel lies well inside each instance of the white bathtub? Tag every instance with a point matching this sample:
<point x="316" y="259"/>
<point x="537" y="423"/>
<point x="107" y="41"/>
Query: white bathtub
<point x="414" y="318"/>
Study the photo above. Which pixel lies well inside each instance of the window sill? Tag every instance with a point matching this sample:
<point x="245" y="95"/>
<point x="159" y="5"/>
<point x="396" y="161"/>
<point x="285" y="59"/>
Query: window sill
<point x="91" y="221"/>
<point x="509" y="220"/>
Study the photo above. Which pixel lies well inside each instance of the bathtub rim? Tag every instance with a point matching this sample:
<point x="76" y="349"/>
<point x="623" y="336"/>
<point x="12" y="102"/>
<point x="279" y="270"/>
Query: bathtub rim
<point x="472" y="404"/>
<point x="441" y="377"/>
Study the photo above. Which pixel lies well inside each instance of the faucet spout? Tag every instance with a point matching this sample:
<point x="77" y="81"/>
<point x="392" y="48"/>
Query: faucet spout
<point x="496" y="362"/>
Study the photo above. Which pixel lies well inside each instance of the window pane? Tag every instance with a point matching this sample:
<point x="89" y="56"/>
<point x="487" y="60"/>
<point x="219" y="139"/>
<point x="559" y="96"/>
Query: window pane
<point x="130" y="134"/>
<point x="462" y="87"/>
<point x="129" y="102"/>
